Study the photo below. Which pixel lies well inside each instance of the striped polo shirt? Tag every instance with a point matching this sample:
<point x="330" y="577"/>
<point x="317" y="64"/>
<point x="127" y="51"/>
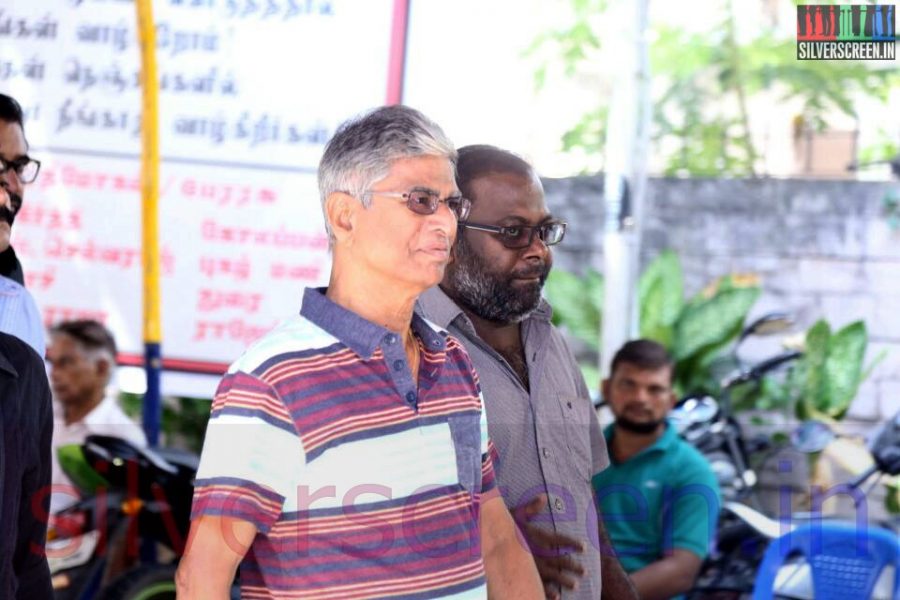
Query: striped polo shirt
<point x="361" y="482"/>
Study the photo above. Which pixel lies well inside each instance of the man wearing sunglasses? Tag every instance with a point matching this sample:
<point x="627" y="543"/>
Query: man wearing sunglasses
<point x="19" y="315"/>
<point x="347" y="453"/>
<point x="540" y="415"/>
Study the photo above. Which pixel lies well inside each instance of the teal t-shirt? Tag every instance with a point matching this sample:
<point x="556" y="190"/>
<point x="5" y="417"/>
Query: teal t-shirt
<point x="664" y="497"/>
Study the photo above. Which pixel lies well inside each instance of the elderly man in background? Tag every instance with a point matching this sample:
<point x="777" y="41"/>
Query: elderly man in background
<point x="347" y="453"/>
<point x="82" y="359"/>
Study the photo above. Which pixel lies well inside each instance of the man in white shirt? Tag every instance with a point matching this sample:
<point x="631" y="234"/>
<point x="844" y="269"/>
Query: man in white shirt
<point x="82" y="357"/>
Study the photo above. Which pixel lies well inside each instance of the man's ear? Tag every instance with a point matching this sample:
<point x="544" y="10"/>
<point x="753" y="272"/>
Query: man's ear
<point x="104" y="367"/>
<point x="604" y="389"/>
<point x="673" y="400"/>
<point x="340" y="212"/>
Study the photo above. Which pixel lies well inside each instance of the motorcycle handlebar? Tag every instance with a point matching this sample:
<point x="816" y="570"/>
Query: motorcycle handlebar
<point x="758" y="370"/>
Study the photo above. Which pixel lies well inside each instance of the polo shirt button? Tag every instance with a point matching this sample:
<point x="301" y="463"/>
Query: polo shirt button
<point x="390" y="339"/>
<point x="545" y="452"/>
<point x="558" y="503"/>
<point x="398" y="364"/>
<point x="410" y="397"/>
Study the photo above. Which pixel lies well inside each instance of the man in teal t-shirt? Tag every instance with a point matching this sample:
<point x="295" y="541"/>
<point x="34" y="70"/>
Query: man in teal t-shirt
<point x="659" y="498"/>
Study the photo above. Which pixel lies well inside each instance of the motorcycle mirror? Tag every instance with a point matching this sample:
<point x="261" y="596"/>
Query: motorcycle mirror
<point x="812" y="436"/>
<point x="769" y="324"/>
<point x="694" y="409"/>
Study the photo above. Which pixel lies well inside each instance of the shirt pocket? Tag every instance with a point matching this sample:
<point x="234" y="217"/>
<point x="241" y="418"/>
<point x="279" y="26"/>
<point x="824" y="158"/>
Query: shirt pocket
<point x="466" y="433"/>
<point x="577" y="413"/>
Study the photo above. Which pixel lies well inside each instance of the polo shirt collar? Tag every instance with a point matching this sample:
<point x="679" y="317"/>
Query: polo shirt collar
<point x="666" y="441"/>
<point x="359" y="334"/>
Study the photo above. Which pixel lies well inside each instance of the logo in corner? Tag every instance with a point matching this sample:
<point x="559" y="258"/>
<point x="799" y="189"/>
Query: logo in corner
<point x="846" y="32"/>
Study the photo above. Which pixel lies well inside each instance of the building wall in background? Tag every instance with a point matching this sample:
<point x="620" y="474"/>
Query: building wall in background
<point x="821" y="248"/>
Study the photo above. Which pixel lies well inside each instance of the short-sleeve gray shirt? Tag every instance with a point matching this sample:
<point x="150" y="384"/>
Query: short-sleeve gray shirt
<point x="548" y="440"/>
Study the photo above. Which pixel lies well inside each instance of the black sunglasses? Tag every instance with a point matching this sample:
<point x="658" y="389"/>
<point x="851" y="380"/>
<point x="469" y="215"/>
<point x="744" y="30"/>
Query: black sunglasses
<point x="521" y="236"/>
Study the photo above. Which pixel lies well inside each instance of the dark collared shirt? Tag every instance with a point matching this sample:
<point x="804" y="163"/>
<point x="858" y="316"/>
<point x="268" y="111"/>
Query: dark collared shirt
<point x="548" y="440"/>
<point x="26" y="426"/>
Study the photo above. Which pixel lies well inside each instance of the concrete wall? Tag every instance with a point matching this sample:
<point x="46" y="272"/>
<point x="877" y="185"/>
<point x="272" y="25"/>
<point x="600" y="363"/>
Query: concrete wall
<point x="821" y="248"/>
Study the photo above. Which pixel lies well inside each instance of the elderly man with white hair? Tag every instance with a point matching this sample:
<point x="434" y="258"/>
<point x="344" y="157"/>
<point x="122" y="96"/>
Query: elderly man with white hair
<point x="347" y="454"/>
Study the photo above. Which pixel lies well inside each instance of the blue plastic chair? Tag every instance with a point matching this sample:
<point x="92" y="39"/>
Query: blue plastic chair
<point x="845" y="560"/>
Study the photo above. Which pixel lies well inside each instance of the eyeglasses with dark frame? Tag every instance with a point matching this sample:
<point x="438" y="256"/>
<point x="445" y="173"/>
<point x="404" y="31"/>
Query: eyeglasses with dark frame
<point x="517" y="237"/>
<point x="25" y="168"/>
<point x="425" y="202"/>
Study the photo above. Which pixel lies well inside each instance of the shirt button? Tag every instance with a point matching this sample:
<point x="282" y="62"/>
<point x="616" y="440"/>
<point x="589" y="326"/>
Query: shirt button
<point x="390" y="339"/>
<point x="545" y="452"/>
<point x="398" y="364"/>
<point x="410" y="397"/>
<point x="558" y="503"/>
<point x="569" y="404"/>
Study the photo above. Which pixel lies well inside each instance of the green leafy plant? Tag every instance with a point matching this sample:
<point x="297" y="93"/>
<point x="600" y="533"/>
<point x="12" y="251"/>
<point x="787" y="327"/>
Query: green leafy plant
<point x="824" y="382"/>
<point x="704" y="85"/>
<point x="578" y="309"/>
<point x="183" y="419"/>
<point x="696" y="331"/>
<point x="892" y="497"/>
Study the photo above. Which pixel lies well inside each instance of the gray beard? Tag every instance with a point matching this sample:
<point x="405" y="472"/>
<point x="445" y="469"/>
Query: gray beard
<point x="487" y="295"/>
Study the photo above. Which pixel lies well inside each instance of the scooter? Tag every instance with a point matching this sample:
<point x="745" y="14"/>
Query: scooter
<point x="134" y="502"/>
<point x="740" y="550"/>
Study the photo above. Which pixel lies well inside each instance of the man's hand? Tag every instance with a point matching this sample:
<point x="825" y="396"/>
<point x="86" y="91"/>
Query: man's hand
<point x="552" y="551"/>
<point x="508" y="566"/>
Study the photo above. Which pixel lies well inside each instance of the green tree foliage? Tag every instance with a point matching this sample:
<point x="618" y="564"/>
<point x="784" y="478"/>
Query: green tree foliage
<point x="703" y="82"/>
<point x="697" y="331"/>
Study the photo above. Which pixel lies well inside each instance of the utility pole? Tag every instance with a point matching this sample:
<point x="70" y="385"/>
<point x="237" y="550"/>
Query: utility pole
<point x="625" y="180"/>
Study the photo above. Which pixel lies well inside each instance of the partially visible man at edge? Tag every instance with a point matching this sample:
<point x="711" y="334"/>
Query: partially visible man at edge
<point x="540" y="415"/>
<point x="659" y="494"/>
<point x="347" y="453"/>
<point x="26" y="426"/>
<point x="19" y="315"/>
<point x="16" y="167"/>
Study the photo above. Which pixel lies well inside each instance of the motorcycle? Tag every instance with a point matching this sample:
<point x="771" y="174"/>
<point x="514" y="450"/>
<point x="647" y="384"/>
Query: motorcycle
<point x="710" y="425"/>
<point x="135" y="503"/>
<point x="731" y="570"/>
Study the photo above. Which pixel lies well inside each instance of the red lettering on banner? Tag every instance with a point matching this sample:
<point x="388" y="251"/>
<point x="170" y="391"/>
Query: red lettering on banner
<point x="308" y="272"/>
<point x="73" y="177"/>
<point x="235" y="330"/>
<point x="122" y="257"/>
<point x="278" y="238"/>
<point x="40" y="280"/>
<point x="88" y="250"/>
<point x="226" y="194"/>
<point x="56" y="314"/>
<point x="213" y="266"/>
<point x="213" y="300"/>
<point x="267" y="196"/>
<point x="41" y="216"/>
